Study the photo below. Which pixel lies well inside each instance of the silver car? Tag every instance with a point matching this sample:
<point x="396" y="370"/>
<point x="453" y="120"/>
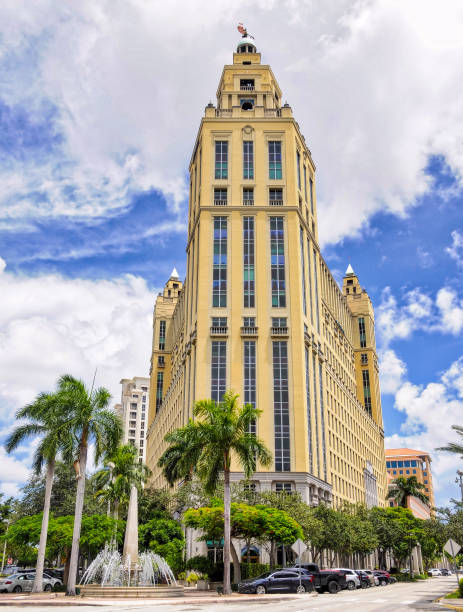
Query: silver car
<point x="16" y="583"/>
<point x="352" y="580"/>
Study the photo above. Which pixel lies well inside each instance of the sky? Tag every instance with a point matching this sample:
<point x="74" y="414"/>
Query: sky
<point x="100" y="102"/>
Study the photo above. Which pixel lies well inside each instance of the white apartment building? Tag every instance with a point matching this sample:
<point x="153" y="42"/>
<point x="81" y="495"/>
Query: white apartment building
<point x="133" y="411"/>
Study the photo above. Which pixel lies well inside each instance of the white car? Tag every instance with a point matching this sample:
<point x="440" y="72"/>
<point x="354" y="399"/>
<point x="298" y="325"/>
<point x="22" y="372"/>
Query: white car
<point x="434" y="572"/>
<point x="16" y="583"/>
<point x="352" y="580"/>
<point x="373" y="579"/>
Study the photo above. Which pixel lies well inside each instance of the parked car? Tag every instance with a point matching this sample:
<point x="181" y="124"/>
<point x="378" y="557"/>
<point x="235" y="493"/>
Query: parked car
<point x="282" y="581"/>
<point x="21" y="582"/>
<point x="364" y="579"/>
<point x="54" y="581"/>
<point x="374" y="581"/>
<point x="55" y="573"/>
<point x="352" y="580"/>
<point x="323" y="580"/>
<point x="445" y="572"/>
<point x="434" y="572"/>
<point x="383" y="577"/>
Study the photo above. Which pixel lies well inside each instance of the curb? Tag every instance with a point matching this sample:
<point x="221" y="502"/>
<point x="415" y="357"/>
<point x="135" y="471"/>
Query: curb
<point x="78" y="601"/>
<point x="439" y="601"/>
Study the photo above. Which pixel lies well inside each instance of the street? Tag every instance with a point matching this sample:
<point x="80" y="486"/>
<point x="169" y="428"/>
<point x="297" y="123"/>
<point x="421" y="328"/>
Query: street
<point x="400" y="596"/>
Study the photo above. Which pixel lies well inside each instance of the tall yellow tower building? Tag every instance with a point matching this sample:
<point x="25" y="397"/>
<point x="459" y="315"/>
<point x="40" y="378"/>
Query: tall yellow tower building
<point x="259" y="311"/>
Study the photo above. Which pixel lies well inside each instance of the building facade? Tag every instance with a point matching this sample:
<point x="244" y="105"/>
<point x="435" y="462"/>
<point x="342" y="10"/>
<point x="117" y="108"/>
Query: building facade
<point x="260" y="312"/>
<point x="133" y="411"/>
<point x="407" y="462"/>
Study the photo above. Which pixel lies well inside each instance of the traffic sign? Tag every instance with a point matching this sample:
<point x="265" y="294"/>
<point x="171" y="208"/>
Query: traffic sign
<point x="452" y="547"/>
<point x="299" y="547"/>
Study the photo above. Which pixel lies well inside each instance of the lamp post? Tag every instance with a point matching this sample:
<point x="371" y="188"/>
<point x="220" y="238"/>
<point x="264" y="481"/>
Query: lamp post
<point x="459" y="482"/>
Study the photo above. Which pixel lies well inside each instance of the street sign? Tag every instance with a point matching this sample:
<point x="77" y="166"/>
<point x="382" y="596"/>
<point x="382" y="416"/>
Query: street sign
<point x="452" y="547"/>
<point x="299" y="547"/>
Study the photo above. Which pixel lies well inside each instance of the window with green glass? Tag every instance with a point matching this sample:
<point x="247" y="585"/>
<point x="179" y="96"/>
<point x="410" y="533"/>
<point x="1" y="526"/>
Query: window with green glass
<point x="274" y="159"/>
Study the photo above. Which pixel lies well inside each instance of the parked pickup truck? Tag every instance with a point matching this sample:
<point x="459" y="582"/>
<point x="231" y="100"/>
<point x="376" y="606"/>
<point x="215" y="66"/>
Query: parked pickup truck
<point x="323" y="580"/>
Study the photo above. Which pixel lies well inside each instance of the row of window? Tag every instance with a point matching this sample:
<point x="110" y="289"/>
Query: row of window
<point x="275" y="196"/>
<point x="221" y="322"/>
<point x="275" y="166"/>
<point x="395" y="464"/>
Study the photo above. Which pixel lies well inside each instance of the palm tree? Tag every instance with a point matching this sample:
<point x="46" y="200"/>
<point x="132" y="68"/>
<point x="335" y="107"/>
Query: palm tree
<point x="407" y="487"/>
<point x="88" y="420"/>
<point x="45" y="416"/>
<point x="122" y="471"/>
<point x="453" y="447"/>
<point x="206" y="447"/>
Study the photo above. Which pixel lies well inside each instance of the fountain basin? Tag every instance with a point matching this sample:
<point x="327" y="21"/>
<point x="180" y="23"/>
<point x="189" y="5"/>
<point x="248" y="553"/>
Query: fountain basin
<point x="135" y="592"/>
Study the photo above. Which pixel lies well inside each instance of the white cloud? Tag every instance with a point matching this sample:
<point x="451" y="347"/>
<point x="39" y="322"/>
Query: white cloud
<point x="50" y="325"/>
<point x="391" y="370"/>
<point x="430" y="412"/>
<point x="12" y="473"/>
<point x="451" y="310"/>
<point x="129" y="80"/>
<point x="456" y="249"/>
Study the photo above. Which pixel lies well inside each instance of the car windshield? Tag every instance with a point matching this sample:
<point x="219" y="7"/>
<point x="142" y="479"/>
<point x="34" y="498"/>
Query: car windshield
<point x="264" y="575"/>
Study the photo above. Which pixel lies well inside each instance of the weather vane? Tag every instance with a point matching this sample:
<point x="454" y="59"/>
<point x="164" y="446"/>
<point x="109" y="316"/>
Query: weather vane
<point x="242" y="30"/>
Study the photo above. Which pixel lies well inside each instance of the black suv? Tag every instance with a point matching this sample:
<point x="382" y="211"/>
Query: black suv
<point x="282" y="581"/>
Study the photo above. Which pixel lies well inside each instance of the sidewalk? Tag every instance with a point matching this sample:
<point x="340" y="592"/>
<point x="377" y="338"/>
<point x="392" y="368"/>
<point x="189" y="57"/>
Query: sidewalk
<point x="59" y="599"/>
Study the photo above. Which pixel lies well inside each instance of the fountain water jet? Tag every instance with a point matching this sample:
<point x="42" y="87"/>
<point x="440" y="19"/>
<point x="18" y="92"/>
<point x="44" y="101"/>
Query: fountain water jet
<point x="131" y="574"/>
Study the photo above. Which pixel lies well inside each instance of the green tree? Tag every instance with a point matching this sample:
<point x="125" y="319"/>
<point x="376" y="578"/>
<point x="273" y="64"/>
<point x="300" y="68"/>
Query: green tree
<point x="206" y="447"/>
<point x="122" y="471"/>
<point x="407" y="487"/>
<point x="432" y="540"/>
<point x="89" y="420"/>
<point x="45" y="421"/>
<point x="164" y="536"/>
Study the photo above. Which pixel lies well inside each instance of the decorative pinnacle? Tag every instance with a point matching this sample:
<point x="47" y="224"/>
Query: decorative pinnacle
<point x="350" y="270"/>
<point x="174" y="273"/>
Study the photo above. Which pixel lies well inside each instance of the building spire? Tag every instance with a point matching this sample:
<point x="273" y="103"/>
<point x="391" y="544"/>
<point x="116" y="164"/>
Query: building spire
<point x="350" y="270"/>
<point x="174" y="273"/>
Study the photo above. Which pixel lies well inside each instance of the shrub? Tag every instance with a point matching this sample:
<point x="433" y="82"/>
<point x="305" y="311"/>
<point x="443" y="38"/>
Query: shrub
<point x="181" y="576"/>
<point x="192" y="578"/>
<point x="199" y="563"/>
<point x="460" y="587"/>
<point x="252" y="570"/>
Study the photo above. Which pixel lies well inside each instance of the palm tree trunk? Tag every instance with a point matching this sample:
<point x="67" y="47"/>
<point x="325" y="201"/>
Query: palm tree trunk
<point x="236" y="564"/>
<point x="37" y="587"/>
<point x="73" y="566"/>
<point x="226" y="538"/>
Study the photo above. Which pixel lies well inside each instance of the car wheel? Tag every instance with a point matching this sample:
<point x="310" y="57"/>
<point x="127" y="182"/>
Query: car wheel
<point x="300" y="588"/>
<point x="17" y="589"/>
<point x="261" y="590"/>
<point x="383" y="582"/>
<point x="350" y="585"/>
<point x="47" y="587"/>
<point x="333" y="587"/>
<point x="363" y="584"/>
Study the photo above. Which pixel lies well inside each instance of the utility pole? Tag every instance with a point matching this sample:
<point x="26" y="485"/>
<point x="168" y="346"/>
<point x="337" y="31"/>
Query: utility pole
<point x="459" y="482"/>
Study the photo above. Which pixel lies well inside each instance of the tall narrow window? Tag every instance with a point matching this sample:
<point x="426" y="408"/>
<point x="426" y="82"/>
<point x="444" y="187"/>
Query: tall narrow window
<point x="322" y="417"/>
<point x="309" y="275"/>
<point x="248" y="159"/>
<point x="298" y="159"/>
<point x="220" y="197"/>
<point x="305" y="182"/>
<point x="315" y="276"/>
<point x="309" y="409"/>
<point x="219" y="273"/>
<point x="317" y="445"/>
<point x="366" y="391"/>
<point x="248" y="196"/>
<point x="311" y="194"/>
<point x="274" y="159"/>
<point x="162" y="335"/>
<point x="159" y="386"/>
<point x="281" y="406"/>
<point x="221" y="159"/>
<point x="248" y="262"/>
<point x="277" y="257"/>
<point x="218" y="370"/>
<point x="250" y="377"/>
<point x="275" y="197"/>
<point x="362" y="333"/>
<point x="304" y="299"/>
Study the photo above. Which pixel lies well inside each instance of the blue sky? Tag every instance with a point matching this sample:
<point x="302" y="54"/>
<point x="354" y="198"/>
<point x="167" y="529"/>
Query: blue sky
<point x="99" y="109"/>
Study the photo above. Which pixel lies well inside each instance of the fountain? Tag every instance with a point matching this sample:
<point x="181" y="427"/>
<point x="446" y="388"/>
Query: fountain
<point x="131" y="574"/>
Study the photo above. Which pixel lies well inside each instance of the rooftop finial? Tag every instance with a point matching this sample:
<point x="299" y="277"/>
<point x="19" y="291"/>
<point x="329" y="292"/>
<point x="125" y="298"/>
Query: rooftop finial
<point x="350" y="270"/>
<point x="174" y="273"/>
<point x="243" y="31"/>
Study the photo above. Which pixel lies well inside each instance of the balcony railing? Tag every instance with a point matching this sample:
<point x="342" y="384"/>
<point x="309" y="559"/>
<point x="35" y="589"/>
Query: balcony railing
<point x="249" y="331"/>
<point x="247" y="87"/>
<point x="248" y="202"/>
<point x="279" y="331"/>
<point x="219" y="331"/>
<point x="272" y="112"/>
<point x="276" y="202"/>
<point x="223" y="112"/>
<point x="220" y="202"/>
